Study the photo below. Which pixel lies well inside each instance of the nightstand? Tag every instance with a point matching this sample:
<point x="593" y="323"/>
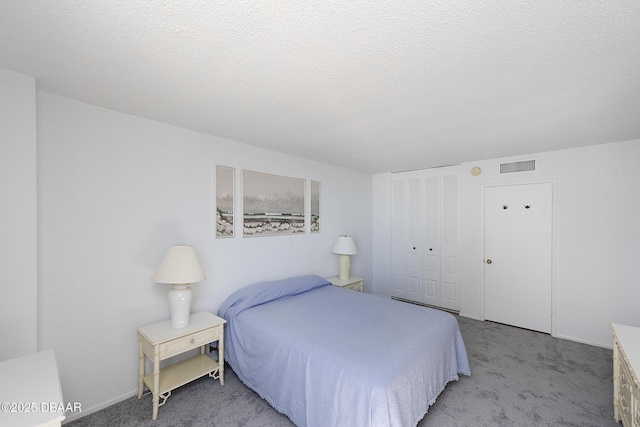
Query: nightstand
<point x="353" y="283"/>
<point x="159" y="342"/>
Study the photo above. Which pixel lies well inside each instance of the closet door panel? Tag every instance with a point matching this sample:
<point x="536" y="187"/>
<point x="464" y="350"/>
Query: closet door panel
<point x="407" y="237"/>
<point x="431" y="282"/>
<point x="431" y="225"/>
<point x="398" y="247"/>
<point x="450" y="238"/>
<point x="414" y="238"/>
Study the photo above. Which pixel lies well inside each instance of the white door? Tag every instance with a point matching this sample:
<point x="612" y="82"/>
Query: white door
<point x="518" y="252"/>
<point x="431" y="247"/>
<point x="406" y="236"/>
<point x="450" y="240"/>
<point x="441" y="246"/>
<point x="425" y="236"/>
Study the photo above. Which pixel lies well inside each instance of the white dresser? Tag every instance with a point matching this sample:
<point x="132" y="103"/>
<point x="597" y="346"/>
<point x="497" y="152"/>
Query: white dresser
<point x="626" y="368"/>
<point x="30" y="391"/>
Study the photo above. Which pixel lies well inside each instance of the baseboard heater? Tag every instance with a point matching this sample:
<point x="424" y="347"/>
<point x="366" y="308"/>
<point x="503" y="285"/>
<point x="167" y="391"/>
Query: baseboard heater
<point x="426" y="305"/>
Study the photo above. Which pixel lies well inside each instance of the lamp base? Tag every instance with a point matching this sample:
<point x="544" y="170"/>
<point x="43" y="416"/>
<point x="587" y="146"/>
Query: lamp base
<point x="180" y="305"/>
<point x="344" y="265"/>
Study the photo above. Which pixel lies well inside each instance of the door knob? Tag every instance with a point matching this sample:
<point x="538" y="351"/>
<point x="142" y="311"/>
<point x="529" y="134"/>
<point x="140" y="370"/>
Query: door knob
<point x="489" y="261"/>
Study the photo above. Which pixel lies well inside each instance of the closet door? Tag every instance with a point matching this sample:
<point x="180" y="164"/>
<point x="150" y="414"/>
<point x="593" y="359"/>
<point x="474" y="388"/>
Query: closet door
<point x="431" y="200"/>
<point x="407" y="236"/>
<point x="425" y="236"/>
<point x="441" y="237"/>
<point x="450" y="238"/>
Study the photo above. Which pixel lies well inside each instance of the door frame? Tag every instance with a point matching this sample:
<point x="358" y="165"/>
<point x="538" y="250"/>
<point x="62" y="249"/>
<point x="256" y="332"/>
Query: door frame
<point x="554" y="229"/>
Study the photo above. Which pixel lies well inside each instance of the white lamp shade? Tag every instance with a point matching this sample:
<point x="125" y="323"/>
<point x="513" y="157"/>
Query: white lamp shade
<point x="180" y="265"/>
<point x="345" y="246"/>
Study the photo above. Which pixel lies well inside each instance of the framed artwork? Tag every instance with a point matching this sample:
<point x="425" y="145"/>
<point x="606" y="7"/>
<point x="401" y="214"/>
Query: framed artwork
<point x="314" y="218"/>
<point x="225" y="189"/>
<point x="272" y="204"/>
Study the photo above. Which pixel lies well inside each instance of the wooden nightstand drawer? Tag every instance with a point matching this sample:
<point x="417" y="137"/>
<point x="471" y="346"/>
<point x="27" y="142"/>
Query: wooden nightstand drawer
<point x="180" y="345"/>
<point x="355" y="286"/>
<point x="353" y="283"/>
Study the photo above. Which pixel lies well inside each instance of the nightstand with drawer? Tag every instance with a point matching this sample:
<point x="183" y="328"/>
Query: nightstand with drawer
<point x="353" y="283"/>
<point x="159" y="341"/>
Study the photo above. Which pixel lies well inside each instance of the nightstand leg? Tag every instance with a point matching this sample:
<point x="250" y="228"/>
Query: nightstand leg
<point x="221" y="358"/>
<point x="156" y="381"/>
<point x="140" y="368"/>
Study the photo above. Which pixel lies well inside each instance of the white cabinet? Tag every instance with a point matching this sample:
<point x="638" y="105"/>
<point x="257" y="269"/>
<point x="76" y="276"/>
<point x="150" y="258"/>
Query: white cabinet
<point x="626" y="385"/>
<point x="30" y="392"/>
<point x="425" y="236"/>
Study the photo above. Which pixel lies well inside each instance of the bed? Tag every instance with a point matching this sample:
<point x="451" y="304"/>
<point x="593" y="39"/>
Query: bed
<point x="327" y="356"/>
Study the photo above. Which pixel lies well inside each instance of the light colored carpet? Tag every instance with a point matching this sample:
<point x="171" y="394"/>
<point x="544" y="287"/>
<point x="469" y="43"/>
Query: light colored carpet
<point x="525" y="378"/>
<point x="518" y="378"/>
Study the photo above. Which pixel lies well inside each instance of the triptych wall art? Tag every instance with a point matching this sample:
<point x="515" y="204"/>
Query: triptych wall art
<point x="271" y="204"/>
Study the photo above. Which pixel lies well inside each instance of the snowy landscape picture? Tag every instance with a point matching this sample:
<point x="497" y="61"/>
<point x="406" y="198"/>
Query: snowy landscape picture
<point x="272" y="204"/>
<point x="315" y="207"/>
<point x="225" y="188"/>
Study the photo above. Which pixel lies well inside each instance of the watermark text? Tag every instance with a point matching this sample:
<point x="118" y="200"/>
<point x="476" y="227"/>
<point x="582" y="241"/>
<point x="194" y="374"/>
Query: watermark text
<point x="20" y="407"/>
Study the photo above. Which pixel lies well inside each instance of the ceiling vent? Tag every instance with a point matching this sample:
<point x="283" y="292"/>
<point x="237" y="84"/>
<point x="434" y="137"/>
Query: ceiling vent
<point x="525" y="166"/>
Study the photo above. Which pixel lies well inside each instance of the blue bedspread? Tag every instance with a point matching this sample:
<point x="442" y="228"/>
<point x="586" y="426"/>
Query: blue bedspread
<point x="327" y="356"/>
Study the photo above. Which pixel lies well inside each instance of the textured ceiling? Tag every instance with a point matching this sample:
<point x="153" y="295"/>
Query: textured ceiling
<point x="372" y="86"/>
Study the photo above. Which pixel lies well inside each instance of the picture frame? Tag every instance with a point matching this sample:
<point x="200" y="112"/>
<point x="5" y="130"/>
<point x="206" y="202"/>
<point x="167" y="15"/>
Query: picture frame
<point x="314" y="207"/>
<point x="272" y="204"/>
<point x="225" y="201"/>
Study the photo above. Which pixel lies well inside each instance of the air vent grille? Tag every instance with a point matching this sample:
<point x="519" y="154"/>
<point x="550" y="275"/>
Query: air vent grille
<point x="525" y="166"/>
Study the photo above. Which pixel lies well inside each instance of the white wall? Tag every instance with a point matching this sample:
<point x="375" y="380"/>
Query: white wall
<point x="18" y="249"/>
<point x="114" y="192"/>
<point x="382" y="267"/>
<point x="597" y="231"/>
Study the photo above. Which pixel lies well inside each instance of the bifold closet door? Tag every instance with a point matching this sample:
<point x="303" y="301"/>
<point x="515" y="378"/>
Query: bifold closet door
<point x="431" y="270"/>
<point x="441" y="236"/>
<point x="425" y="236"/>
<point x="407" y="237"/>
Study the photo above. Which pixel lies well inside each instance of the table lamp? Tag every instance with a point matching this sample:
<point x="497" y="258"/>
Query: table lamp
<point x="179" y="268"/>
<point x="344" y="247"/>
